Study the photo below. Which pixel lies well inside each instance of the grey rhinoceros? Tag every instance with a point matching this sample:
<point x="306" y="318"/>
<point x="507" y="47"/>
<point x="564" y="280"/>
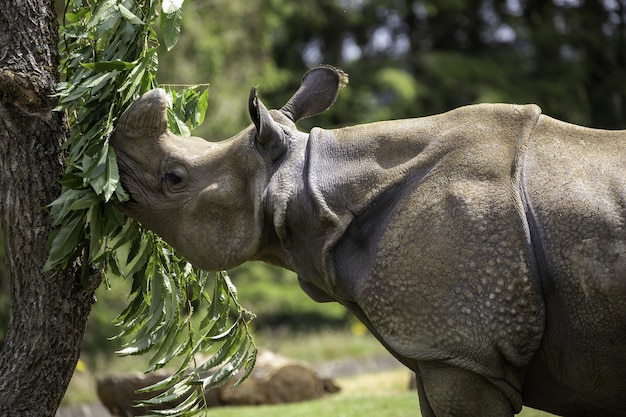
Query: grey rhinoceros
<point x="484" y="247"/>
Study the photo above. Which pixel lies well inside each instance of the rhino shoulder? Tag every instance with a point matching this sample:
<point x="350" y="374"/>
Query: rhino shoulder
<point x="502" y="115"/>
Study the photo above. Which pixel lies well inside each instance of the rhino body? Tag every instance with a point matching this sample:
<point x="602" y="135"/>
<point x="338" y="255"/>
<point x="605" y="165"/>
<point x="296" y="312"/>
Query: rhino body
<point x="484" y="247"/>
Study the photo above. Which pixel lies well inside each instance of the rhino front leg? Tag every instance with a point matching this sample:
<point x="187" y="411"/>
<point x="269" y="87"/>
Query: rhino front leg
<point x="447" y="391"/>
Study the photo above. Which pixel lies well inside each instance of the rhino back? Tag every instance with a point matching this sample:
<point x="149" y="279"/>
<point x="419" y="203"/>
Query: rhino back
<point x="438" y="262"/>
<point x="575" y="185"/>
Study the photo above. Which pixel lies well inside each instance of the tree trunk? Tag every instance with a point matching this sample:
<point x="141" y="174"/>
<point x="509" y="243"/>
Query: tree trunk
<point x="48" y="310"/>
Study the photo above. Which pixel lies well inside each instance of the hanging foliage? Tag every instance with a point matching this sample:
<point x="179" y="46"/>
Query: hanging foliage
<point x="109" y="58"/>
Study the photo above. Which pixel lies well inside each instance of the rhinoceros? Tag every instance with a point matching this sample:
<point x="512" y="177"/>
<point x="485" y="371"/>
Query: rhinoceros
<point x="484" y="247"/>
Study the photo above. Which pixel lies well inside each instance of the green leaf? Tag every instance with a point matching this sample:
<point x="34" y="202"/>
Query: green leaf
<point x="235" y="356"/>
<point x="215" y="318"/>
<point x="97" y="232"/>
<point x="96" y="165"/>
<point x="223" y="353"/>
<point x="135" y="263"/>
<point x="108" y="66"/>
<point x="112" y="176"/>
<point x="170" y="25"/>
<point x="130" y="16"/>
<point x="201" y="108"/>
<point x="174" y="393"/>
<point x="248" y="365"/>
<point x="102" y="12"/>
<point x="176" y="342"/>
<point x="60" y="208"/>
<point x="176" y="125"/>
<point x="65" y="242"/>
<point x="103" y="174"/>
<point x="87" y="200"/>
<point x="96" y="80"/>
<point x="172" y="379"/>
<point x="189" y="404"/>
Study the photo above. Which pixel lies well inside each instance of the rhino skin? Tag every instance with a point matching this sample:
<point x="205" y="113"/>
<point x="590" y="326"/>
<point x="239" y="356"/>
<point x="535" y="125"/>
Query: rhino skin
<point x="484" y="247"/>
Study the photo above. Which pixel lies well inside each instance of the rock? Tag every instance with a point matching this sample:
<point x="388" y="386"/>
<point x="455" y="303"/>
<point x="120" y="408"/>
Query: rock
<point x="118" y="393"/>
<point x="274" y="380"/>
<point x="83" y="410"/>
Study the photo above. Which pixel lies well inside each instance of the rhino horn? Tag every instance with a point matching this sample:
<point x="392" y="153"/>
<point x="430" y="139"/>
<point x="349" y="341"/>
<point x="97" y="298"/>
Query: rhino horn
<point x="317" y="92"/>
<point x="146" y="116"/>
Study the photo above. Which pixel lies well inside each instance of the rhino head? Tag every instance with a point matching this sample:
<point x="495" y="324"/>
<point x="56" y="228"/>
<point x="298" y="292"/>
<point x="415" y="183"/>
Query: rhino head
<point x="207" y="198"/>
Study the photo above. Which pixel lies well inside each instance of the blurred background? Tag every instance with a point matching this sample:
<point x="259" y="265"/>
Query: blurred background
<point x="405" y="59"/>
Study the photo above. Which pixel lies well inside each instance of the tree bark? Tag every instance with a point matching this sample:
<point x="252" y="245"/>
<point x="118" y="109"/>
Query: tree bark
<point x="48" y="310"/>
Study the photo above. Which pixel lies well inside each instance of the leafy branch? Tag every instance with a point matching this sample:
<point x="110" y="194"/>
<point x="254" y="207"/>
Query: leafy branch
<point x="109" y="58"/>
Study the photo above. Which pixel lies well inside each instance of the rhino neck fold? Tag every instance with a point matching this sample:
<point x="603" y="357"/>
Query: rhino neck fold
<point x="342" y="172"/>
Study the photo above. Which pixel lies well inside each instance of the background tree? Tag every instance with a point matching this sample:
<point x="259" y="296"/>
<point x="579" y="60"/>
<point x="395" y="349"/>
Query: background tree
<point x="409" y="58"/>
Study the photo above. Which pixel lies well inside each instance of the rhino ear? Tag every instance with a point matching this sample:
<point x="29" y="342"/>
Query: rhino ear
<point x="147" y="116"/>
<point x="270" y="137"/>
<point x="317" y="92"/>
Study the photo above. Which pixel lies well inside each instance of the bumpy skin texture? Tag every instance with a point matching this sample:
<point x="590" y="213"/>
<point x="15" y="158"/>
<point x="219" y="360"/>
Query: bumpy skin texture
<point x="484" y="247"/>
<point x="575" y="183"/>
<point x="434" y="253"/>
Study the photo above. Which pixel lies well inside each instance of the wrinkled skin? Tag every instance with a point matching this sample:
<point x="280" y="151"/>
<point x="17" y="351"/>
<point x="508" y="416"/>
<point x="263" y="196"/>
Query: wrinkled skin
<point x="484" y="247"/>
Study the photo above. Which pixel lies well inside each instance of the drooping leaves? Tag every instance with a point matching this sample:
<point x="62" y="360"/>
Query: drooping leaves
<point x="109" y="50"/>
<point x="170" y="23"/>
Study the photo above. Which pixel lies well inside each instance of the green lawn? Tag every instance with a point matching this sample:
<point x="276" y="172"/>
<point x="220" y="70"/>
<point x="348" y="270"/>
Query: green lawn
<point x="315" y="347"/>
<point x="400" y="405"/>
<point x="383" y="394"/>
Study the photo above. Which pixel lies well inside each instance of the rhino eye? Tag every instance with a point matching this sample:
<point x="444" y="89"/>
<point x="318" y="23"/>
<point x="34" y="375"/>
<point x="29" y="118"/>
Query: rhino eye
<point x="173" y="178"/>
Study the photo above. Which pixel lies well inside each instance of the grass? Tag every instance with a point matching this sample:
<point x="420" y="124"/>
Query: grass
<point x="316" y="347"/>
<point x="324" y="345"/>
<point x="381" y="394"/>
